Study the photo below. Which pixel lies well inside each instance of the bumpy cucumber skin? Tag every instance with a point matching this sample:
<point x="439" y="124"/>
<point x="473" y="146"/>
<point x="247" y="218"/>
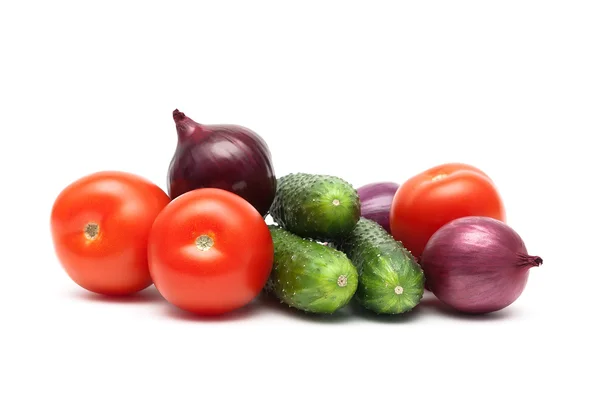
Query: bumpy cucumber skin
<point x="320" y="207"/>
<point x="384" y="265"/>
<point x="306" y="274"/>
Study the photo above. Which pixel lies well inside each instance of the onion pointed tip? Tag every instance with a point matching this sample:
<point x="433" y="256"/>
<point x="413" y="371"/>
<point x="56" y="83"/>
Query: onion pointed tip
<point x="178" y="115"/>
<point x="530" y="261"/>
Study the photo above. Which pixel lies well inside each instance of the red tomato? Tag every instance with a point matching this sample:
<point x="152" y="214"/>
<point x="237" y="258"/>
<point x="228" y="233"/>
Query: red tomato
<point x="100" y="226"/>
<point x="427" y="201"/>
<point x="210" y="252"/>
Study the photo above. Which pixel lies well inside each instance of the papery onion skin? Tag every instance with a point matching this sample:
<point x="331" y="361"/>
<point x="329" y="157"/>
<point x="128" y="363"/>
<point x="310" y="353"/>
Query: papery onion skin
<point x="376" y="201"/>
<point x="229" y="157"/>
<point x="477" y="265"/>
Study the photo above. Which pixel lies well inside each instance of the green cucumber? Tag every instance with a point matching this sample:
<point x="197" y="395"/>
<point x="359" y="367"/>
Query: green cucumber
<point x="308" y="275"/>
<point x="320" y="207"/>
<point x="390" y="279"/>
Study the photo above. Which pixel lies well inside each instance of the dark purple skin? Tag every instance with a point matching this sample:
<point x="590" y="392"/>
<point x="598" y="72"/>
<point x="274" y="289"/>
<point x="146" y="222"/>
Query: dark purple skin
<point x="477" y="265"/>
<point x="228" y="157"/>
<point x="376" y="202"/>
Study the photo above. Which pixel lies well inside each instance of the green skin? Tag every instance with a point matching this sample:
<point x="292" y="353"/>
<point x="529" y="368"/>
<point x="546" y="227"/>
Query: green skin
<point x="321" y="207"/>
<point x="310" y="276"/>
<point x="390" y="279"/>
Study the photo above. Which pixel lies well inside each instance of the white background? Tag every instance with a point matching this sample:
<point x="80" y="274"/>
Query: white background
<point x="364" y="90"/>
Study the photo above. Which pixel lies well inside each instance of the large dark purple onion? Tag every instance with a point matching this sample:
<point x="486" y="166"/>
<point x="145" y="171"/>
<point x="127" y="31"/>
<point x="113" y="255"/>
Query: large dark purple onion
<point x="228" y="157"/>
<point x="477" y="265"/>
<point x="376" y="201"/>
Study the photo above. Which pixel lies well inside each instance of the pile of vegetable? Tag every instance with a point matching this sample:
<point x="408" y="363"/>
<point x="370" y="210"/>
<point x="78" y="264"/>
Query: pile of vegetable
<point x="208" y="249"/>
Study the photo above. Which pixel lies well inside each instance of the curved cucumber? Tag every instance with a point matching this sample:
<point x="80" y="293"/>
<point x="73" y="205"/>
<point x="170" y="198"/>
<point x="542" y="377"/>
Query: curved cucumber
<point x="390" y="279"/>
<point x="320" y="207"/>
<point x="310" y="276"/>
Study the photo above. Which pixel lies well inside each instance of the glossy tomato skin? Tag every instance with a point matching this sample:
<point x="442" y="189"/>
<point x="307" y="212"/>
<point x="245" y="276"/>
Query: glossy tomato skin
<point x="210" y="252"/>
<point x="100" y="226"/>
<point x="430" y="199"/>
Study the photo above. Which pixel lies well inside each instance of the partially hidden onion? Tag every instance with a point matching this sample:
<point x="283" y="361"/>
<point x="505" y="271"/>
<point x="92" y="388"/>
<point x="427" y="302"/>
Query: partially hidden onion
<point x="376" y="201"/>
<point x="229" y="157"/>
<point x="477" y="265"/>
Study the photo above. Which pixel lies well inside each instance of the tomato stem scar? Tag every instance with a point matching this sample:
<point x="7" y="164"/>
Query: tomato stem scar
<point x="204" y="242"/>
<point x="91" y="230"/>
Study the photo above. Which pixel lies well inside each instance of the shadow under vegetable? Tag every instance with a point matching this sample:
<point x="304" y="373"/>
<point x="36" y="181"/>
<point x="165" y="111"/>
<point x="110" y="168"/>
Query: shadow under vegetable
<point x="148" y="295"/>
<point x="246" y="312"/>
<point x="433" y="304"/>
<point x="361" y="312"/>
<point x="273" y="304"/>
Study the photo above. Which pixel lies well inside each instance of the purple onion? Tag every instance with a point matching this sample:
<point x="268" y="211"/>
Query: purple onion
<point x="228" y="157"/>
<point x="477" y="265"/>
<point x="376" y="201"/>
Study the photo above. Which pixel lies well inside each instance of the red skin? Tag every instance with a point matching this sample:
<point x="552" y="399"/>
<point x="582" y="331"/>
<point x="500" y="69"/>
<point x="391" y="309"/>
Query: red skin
<point x="233" y="268"/>
<point x="432" y="198"/>
<point x="124" y="206"/>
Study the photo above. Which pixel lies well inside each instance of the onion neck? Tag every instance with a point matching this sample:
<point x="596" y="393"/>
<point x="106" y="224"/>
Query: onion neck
<point x="185" y="126"/>
<point x="178" y="116"/>
<point x="527" y="261"/>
